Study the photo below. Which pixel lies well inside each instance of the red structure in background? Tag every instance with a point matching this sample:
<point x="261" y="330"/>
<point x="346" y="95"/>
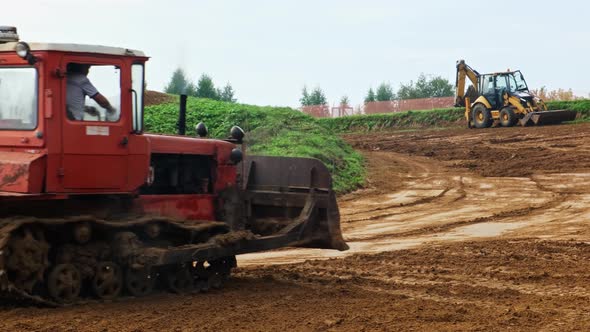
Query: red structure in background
<point x="317" y="111"/>
<point x="323" y="111"/>
<point x="342" y="110"/>
<point x="408" y="105"/>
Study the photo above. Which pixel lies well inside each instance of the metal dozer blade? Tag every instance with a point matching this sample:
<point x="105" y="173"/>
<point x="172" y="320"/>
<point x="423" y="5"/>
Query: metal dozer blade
<point x="548" y="117"/>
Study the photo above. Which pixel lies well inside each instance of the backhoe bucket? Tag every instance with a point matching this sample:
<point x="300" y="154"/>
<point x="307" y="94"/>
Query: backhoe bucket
<point x="548" y="117"/>
<point x="292" y="199"/>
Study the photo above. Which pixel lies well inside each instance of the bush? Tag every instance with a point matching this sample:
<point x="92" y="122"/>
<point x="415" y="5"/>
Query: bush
<point x="582" y="106"/>
<point x="430" y="118"/>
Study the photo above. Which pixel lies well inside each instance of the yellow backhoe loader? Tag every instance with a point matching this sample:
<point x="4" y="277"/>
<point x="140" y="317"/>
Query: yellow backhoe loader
<point x="503" y="97"/>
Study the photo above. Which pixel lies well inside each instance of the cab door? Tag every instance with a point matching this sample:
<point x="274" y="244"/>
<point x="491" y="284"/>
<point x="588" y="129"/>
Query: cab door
<point x="489" y="90"/>
<point x="95" y="149"/>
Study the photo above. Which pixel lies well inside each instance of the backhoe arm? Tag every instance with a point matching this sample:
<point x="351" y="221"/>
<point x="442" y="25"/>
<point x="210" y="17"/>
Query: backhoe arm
<point x="464" y="71"/>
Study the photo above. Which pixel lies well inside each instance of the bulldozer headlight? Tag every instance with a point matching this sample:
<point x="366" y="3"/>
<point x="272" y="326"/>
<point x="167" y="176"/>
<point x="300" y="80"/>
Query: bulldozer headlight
<point x="236" y="156"/>
<point x="237" y="133"/>
<point x="201" y="129"/>
<point x="22" y="49"/>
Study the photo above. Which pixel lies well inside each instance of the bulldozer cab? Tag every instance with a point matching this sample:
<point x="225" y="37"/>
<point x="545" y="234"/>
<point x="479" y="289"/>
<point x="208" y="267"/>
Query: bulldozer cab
<point x="96" y="143"/>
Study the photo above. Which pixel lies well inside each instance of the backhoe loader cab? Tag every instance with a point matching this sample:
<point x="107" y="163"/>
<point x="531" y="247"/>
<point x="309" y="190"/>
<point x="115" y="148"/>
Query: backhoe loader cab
<point x="502" y="97"/>
<point x="494" y="87"/>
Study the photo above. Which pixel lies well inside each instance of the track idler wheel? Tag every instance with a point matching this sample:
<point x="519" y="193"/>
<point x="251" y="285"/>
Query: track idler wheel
<point x="108" y="281"/>
<point x="139" y="282"/>
<point x="179" y="280"/>
<point x="27" y="257"/>
<point x="64" y="283"/>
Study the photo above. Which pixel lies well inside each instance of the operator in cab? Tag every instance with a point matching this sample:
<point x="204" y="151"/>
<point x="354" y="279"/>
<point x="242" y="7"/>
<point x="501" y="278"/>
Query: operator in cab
<point x="78" y="87"/>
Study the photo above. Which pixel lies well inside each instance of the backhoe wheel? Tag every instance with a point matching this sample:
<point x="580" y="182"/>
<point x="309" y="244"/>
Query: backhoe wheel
<point x="482" y="117"/>
<point x="64" y="283"/>
<point x="139" y="282"/>
<point x="108" y="281"/>
<point x="507" y="117"/>
<point x="179" y="280"/>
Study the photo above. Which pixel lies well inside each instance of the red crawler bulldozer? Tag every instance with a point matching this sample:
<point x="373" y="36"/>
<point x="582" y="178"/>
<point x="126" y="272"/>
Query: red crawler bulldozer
<point x="91" y="207"/>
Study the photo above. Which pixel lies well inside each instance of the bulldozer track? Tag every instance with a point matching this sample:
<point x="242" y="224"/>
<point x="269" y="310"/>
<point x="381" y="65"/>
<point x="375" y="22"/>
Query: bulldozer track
<point x="33" y="288"/>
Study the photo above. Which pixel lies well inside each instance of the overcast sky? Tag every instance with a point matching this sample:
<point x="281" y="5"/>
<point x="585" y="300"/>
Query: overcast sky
<point x="269" y="50"/>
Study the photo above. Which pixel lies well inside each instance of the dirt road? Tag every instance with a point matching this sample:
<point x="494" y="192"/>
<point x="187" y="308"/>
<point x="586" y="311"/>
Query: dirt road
<point x="456" y="230"/>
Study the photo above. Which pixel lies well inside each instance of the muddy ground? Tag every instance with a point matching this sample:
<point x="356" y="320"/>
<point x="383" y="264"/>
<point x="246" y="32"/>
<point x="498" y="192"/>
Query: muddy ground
<point x="457" y="230"/>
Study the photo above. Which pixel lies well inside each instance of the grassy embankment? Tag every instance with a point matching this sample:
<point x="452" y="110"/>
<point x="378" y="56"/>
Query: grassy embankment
<point x="275" y="131"/>
<point x="445" y="117"/>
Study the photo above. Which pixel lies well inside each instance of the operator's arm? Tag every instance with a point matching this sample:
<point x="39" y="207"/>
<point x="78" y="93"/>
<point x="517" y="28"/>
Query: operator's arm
<point x="103" y="102"/>
<point x="93" y="93"/>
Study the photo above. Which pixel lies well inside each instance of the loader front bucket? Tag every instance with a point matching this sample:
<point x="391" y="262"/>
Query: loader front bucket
<point x="548" y="117"/>
<point x="292" y="199"/>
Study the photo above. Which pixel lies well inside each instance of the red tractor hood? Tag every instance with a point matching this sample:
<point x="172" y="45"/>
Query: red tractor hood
<point x="21" y="172"/>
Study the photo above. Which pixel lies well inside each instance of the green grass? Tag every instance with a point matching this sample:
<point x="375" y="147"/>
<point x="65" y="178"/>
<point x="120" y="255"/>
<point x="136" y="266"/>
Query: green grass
<point x="443" y="117"/>
<point x="274" y="131"/>
<point x="436" y="118"/>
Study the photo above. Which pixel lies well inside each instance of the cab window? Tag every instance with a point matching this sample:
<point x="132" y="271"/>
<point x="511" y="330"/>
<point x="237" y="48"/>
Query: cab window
<point x="18" y="98"/>
<point x="488" y="84"/>
<point x="501" y="83"/>
<point x="93" y="92"/>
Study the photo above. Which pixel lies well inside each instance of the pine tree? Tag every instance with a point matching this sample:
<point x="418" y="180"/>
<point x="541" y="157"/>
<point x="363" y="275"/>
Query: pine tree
<point x="370" y="96"/>
<point x="226" y="94"/>
<point x="179" y="84"/>
<point x="206" y="88"/>
<point x="384" y="92"/>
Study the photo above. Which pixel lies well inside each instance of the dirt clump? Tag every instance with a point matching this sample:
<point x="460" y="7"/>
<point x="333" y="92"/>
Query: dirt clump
<point x="156" y="98"/>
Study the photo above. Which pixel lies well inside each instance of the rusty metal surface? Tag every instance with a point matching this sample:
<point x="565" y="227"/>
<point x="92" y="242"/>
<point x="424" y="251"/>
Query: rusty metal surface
<point x="18" y="174"/>
<point x="285" y="173"/>
<point x="294" y="184"/>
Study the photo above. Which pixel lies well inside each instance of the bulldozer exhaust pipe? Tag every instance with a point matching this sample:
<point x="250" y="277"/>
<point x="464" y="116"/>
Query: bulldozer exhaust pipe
<point x="182" y="115"/>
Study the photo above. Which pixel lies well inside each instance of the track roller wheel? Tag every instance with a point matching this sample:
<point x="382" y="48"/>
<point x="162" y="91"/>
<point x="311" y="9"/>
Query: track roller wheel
<point x="139" y="282"/>
<point x="216" y="280"/>
<point x="108" y="281"/>
<point x="202" y="285"/>
<point x="64" y="283"/>
<point x="179" y="280"/>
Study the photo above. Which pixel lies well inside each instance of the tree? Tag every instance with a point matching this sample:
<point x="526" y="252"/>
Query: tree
<point x="206" y="88"/>
<point x="559" y="94"/>
<point x="424" y="87"/>
<point x="370" y="96"/>
<point x="384" y="92"/>
<point x="179" y="84"/>
<point x="304" y="100"/>
<point x="316" y="97"/>
<point x="344" y="101"/>
<point x="226" y="94"/>
<point x="441" y="87"/>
